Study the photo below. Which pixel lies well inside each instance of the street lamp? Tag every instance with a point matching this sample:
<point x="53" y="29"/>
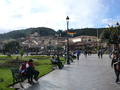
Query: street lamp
<point x="97" y="39"/>
<point x="58" y="50"/>
<point x="117" y="25"/>
<point x="68" y="61"/>
<point x="49" y="46"/>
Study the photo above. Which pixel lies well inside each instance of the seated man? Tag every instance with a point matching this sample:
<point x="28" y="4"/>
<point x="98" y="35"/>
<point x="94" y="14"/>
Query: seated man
<point x="24" y="72"/>
<point x="31" y="71"/>
<point x="57" y="61"/>
<point x="27" y="69"/>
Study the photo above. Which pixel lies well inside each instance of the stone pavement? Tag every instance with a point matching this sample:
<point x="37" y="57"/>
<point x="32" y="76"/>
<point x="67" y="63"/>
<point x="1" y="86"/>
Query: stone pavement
<point x="88" y="73"/>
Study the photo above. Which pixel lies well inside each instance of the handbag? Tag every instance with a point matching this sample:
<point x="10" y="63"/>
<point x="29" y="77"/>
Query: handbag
<point x="118" y="66"/>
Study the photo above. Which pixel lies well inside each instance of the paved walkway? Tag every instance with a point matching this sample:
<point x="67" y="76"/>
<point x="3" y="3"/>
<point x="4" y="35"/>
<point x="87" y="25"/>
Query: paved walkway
<point x="88" y="73"/>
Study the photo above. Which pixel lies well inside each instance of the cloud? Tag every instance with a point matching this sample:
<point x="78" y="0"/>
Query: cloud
<point x="20" y="14"/>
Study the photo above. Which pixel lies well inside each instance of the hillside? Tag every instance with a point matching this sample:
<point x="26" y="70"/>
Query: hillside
<point x="43" y="31"/>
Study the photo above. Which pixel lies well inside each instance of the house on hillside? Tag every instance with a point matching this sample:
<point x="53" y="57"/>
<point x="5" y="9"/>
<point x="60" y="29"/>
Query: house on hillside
<point x="35" y="42"/>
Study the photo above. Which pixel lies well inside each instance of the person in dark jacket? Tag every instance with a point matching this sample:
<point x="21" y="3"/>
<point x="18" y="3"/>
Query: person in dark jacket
<point x="114" y="63"/>
<point x="31" y="71"/>
<point x="57" y="61"/>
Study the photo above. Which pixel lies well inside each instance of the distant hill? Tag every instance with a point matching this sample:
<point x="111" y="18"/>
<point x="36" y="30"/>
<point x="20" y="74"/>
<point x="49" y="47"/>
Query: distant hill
<point x="88" y="31"/>
<point x="44" y="31"/>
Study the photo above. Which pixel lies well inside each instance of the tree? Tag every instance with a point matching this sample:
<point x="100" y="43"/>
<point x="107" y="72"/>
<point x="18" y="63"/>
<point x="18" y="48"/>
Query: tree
<point x="109" y="35"/>
<point x="21" y="52"/>
<point x="12" y="47"/>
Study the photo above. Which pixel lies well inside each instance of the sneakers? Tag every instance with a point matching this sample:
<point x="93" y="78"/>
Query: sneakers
<point x="60" y="67"/>
<point x="36" y="79"/>
<point x="31" y="82"/>
<point x="117" y="80"/>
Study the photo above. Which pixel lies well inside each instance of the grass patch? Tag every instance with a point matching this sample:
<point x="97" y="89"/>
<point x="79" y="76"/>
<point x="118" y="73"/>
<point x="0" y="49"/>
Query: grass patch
<point x="37" y="57"/>
<point x="7" y="77"/>
<point x="42" y="64"/>
<point x="5" y="57"/>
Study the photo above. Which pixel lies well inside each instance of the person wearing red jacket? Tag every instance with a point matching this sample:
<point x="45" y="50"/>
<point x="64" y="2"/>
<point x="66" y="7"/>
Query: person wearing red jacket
<point x="22" y="69"/>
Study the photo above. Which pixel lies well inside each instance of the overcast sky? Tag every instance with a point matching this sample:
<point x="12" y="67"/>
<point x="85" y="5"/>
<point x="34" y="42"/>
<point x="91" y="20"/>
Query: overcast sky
<point x="22" y="14"/>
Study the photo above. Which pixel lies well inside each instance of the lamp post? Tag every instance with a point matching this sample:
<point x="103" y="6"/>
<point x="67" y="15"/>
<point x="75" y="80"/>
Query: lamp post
<point x="117" y="25"/>
<point x="68" y="61"/>
<point x="97" y="39"/>
<point x="58" y="48"/>
<point x="49" y="46"/>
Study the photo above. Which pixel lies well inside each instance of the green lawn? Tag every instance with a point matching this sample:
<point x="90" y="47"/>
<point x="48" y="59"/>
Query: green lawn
<point x="42" y="64"/>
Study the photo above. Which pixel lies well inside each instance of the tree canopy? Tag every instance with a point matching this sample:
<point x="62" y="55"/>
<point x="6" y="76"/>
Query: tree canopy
<point x="11" y="47"/>
<point x="110" y="35"/>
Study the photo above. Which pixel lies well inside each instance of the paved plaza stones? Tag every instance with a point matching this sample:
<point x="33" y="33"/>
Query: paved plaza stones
<point x="87" y="73"/>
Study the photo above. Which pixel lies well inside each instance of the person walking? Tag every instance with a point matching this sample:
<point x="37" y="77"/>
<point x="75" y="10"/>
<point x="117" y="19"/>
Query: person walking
<point x="78" y="54"/>
<point x="85" y="53"/>
<point x="110" y="55"/>
<point x="101" y="53"/>
<point x="113" y="65"/>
